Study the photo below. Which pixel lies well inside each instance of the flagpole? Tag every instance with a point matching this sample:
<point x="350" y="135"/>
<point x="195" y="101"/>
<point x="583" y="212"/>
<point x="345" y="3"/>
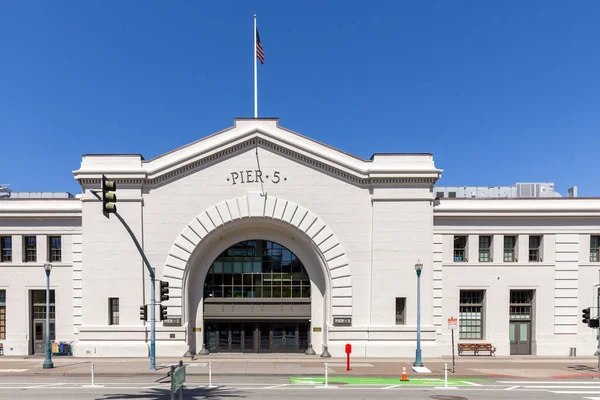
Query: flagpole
<point x="255" y="74"/>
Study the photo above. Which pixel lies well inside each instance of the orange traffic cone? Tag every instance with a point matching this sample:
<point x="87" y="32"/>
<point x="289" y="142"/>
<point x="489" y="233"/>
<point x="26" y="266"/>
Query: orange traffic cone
<point x="404" y="377"/>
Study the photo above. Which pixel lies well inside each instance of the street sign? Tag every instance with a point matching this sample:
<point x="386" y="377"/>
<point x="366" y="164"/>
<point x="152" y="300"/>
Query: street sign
<point x="177" y="379"/>
<point x="172" y="321"/>
<point x="452" y="323"/>
<point x="347" y="321"/>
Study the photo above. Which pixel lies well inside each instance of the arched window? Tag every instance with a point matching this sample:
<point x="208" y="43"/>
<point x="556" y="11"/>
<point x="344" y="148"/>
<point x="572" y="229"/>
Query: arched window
<point x="257" y="269"/>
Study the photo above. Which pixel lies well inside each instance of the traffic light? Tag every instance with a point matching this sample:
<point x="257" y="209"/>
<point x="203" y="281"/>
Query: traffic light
<point x="594" y="323"/>
<point x="585" y="315"/>
<point x="164" y="291"/>
<point x="109" y="197"/>
<point x="163" y="313"/>
<point x="144" y="313"/>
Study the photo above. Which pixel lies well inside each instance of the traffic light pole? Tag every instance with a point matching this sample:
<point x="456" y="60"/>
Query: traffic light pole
<point x="152" y="297"/>
<point x="109" y="200"/>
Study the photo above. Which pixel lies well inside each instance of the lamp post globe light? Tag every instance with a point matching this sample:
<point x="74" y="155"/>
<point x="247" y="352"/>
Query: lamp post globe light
<point x="418" y="269"/>
<point x="48" y="361"/>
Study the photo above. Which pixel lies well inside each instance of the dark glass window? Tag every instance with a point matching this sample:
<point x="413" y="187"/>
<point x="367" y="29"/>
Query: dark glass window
<point x="460" y="248"/>
<point x="2" y="314"/>
<point x="113" y="311"/>
<point x="594" y="248"/>
<point x="471" y="314"/>
<point x="30" y="245"/>
<point x="5" y="249"/>
<point x="55" y="246"/>
<point x="400" y="310"/>
<point x="521" y="302"/>
<point x="257" y="269"/>
<point x="485" y="244"/>
<point x="534" y="248"/>
<point x="509" y="248"/>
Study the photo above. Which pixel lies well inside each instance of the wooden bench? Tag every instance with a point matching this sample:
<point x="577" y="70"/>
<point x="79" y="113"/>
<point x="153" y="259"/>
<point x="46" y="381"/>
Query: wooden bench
<point x="476" y="348"/>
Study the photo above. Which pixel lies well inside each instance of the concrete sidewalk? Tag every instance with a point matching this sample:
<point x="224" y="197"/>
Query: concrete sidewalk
<point x="300" y="365"/>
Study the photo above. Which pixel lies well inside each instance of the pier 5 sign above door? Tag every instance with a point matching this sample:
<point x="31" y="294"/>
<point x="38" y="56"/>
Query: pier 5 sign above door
<point x="255" y="175"/>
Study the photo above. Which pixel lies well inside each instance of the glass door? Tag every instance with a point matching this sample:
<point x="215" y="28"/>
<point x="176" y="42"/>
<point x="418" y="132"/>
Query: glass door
<point x="235" y="335"/>
<point x="249" y="330"/>
<point x="264" y="337"/>
<point x="210" y="338"/>
<point x="39" y="337"/>
<point x="290" y="343"/>
<point x="277" y="338"/>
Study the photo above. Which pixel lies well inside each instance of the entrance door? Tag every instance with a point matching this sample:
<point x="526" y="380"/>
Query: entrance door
<point x="520" y="338"/>
<point x="39" y="337"/>
<point x="284" y="338"/>
<point x="262" y="337"/>
<point x="520" y="322"/>
<point x="235" y="337"/>
<point x="38" y="327"/>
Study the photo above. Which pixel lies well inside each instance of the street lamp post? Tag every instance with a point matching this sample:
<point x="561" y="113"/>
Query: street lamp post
<point x="418" y="361"/>
<point x="48" y="361"/>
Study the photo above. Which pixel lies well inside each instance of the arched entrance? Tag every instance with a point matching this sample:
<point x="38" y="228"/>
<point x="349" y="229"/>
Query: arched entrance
<point x="257" y="299"/>
<point x="240" y="219"/>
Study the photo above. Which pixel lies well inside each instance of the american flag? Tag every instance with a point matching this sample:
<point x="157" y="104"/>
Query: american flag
<point x="260" y="53"/>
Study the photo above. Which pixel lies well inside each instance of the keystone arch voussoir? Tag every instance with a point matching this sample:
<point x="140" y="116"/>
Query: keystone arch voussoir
<point x="255" y="205"/>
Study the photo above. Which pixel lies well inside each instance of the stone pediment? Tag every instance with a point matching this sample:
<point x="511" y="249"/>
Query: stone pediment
<point x="264" y="133"/>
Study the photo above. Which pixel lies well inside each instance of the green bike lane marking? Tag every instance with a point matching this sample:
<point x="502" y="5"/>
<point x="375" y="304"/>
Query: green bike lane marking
<point x="356" y="380"/>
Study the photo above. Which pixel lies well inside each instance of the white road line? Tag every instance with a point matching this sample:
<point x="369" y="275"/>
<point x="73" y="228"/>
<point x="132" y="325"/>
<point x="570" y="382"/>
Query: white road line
<point x="563" y="387"/>
<point x="573" y="392"/>
<point x="550" y="382"/>
<point x="471" y="383"/>
<point x="592" y="398"/>
<point x="43" y="386"/>
<point x="390" y="387"/>
<point x="511" y="388"/>
<point x="277" y="386"/>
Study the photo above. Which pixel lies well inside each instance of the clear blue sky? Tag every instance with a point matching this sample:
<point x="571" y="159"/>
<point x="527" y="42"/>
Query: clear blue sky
<point x="499" y="91"/>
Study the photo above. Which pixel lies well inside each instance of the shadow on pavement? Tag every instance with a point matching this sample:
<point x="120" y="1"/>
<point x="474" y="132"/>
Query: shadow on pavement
<point x="189" y="393"/>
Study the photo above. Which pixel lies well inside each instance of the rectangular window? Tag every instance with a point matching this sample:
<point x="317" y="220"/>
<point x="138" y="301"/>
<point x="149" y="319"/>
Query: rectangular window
<point x="439" y="195"/>
<point x="509" y="248"/>
<point x="400" y="310"/>
<point x="595" y="248"/>
<point x="113" y="311"/>
<point x="55" y="245"/>
<point x="485" y="244"/>
<point x="534" y="248"/>
<point x="471" y="314"/>
<point x="2" y="314"/>
<point x="29" y="249"/>
<point x="452" y="195"/>
<point x="5" y="249"/>
<point x="460" y="248"/>
<point x="521" y="302"/>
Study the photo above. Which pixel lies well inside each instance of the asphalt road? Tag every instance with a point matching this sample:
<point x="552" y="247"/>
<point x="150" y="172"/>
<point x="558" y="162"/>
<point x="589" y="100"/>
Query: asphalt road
<point x="233" y="388"/>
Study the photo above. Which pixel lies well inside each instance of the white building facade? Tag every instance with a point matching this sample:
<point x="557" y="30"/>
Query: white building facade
<point x="272" y="242"/>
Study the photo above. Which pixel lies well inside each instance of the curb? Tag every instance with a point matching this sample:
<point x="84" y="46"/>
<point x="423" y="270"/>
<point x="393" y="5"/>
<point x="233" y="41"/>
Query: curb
<point x="160" y="375"/>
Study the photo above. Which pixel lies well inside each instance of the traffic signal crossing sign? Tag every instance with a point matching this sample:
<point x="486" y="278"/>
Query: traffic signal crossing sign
<point x="109" y="196"/>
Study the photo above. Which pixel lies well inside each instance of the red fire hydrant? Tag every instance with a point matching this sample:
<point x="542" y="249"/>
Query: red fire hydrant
<point x="348" y="351"/>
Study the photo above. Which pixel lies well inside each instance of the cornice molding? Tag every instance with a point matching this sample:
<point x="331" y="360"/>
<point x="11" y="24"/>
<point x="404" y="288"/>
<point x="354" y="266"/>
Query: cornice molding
<point x="350" y="173"/>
